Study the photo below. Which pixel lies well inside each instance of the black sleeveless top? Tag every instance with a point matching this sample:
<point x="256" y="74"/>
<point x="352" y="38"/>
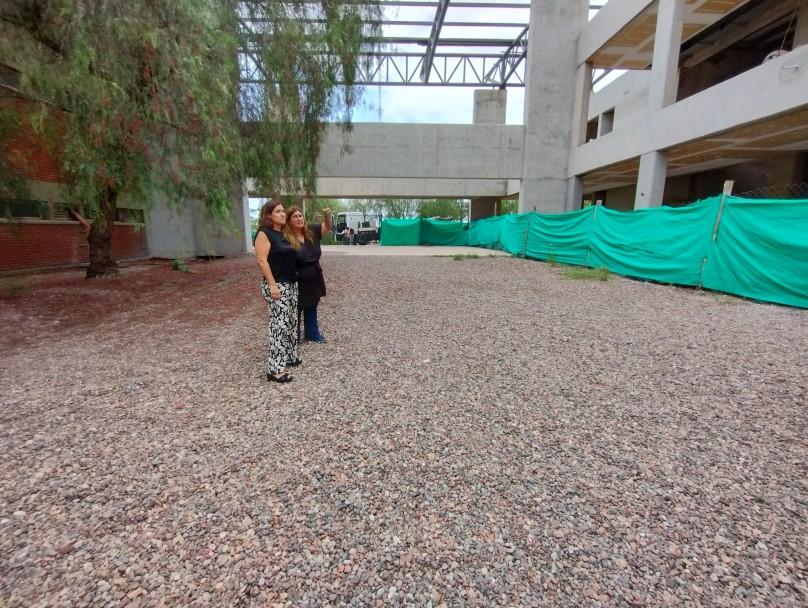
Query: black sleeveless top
<point x="282" y="256"/>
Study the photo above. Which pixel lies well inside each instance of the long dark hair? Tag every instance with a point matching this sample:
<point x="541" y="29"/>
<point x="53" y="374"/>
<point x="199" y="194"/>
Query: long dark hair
<point x="265" y="219"/>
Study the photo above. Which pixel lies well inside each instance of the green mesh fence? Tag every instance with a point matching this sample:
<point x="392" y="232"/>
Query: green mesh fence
<point x="439" y="232"/>
<point x="761" y="251"/>
<point x="752" y="248"/>
<point x="401" y="232"/>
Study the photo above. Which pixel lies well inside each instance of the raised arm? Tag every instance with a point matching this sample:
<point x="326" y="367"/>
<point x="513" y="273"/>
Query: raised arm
<point x="326" y="227"/>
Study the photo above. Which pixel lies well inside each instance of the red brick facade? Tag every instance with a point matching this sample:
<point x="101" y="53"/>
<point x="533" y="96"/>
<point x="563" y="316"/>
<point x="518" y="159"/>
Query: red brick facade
<point x="25" y="152"/>
<point x="41" y="243"/>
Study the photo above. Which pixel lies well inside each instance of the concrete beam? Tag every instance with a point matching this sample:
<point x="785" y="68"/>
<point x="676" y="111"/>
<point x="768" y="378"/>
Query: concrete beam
<point x="402" y="187"/>
<point x="426" y="152"/>
<point x="777" y="86"/>
<point x="606" y="24"/>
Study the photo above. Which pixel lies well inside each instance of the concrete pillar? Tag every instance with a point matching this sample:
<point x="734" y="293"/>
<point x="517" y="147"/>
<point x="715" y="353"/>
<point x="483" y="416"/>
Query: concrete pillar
<point x="550" y="102"/>
<point x="580" y="111"/>
<point x="651" y="180"/>
<point x="490" y="106"/>
<point x="662" y="90"/>
<point x="245" y="211"/>
<point x="489" y="109"/>
<point x="667" y="42"/>
<point x="484" y="206"/>
<point x="575" y="194"/>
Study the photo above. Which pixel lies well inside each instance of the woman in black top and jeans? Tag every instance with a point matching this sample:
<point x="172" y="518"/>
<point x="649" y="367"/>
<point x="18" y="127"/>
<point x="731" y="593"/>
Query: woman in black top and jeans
<point x="277" y="260"/>
<point x="305" y="238"/>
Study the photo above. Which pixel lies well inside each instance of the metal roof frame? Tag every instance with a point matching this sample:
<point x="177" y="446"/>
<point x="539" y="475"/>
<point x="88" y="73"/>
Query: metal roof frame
<point x="437" y="60"/>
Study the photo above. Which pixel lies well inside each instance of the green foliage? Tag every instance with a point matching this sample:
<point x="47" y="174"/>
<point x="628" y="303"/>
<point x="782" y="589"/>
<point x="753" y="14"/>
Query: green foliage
<point x="181" y="265"/>
<point x="551" y="259"/>
<point x="443" y="209"/>
<point x="328" y="239"/>
<point x="12" y="186"/>
<point x="368" y="207"/>
<point x="587" y="274"/>
<point x="401" y="207"/>
<point x="508" y="207"/>
<point x="316" y="206"/>
<point x="458" y="257"/>
<point x="145" y="96"/>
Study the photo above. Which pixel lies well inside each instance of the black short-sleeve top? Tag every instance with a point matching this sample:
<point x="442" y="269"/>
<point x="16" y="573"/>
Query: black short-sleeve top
<point x="282" y="256"/>
<point x="309" y="253"/>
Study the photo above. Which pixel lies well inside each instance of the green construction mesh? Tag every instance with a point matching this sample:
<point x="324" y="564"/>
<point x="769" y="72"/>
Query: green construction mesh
<point x="761" y="251"/>
<point x="760" y="248"/>
<point x="401" y="232"/>
<point x="439" y="232"/>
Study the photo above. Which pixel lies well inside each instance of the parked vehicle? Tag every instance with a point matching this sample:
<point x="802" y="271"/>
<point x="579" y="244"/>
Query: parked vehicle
<point x="365" y="229"/>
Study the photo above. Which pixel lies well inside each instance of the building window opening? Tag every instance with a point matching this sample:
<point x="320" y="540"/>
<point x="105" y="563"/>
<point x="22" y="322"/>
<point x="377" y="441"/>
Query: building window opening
<point x="592" y="129"/>
<point x="24" y="209"/>
<point x="607" y="122"/>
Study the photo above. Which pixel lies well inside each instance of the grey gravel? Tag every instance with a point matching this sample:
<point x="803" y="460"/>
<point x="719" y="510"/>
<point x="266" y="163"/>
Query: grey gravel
<point x="482" y="432"/>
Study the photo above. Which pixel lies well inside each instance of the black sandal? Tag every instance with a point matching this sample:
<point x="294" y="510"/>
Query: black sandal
<point x="295" y="363"/>
<point x="284" y="377"/>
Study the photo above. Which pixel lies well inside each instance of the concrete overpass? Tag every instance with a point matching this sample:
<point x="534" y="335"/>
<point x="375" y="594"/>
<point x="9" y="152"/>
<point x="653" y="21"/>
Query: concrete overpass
<point x="424" y="161"/>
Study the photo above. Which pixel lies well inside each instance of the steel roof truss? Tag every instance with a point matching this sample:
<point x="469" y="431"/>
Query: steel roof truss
<point x="440" y="15"/>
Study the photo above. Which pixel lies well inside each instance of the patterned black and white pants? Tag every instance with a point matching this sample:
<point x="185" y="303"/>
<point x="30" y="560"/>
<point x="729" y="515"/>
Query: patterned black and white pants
<point x="282" y="326"/>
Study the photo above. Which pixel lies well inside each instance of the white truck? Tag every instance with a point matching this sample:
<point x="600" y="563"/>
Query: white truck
<point x="365" y="228"/>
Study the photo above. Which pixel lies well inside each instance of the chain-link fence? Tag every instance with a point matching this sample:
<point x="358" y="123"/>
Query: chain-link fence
<point x="787" y="191"/>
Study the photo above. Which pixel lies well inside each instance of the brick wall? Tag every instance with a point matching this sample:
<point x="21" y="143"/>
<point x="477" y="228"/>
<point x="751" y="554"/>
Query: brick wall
<point x="33" y="244"/>
<point x="25" y="152"/>
<point x="38" y="244"/>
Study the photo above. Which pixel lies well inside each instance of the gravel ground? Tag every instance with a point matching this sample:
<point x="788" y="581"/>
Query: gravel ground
<point x="482" y="432"/>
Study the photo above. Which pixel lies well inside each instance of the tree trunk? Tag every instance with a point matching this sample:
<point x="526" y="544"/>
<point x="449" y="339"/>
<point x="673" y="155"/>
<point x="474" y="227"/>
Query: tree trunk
<point x="102" y="260"/>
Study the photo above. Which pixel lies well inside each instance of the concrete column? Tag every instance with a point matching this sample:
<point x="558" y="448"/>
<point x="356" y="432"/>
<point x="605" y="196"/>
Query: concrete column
<point x="651" y="180"/>
<point x="667" y="42"/>
<point x="550" y="102"/>
<point x="245" y="210"/>
<point x="575" y="190"/>
<point x="580" y="111"/>
<point x="661" y="93"/>
<point x="484" y="206"/>
<point x="489" y="109"/>
<point x="490" y="106"/>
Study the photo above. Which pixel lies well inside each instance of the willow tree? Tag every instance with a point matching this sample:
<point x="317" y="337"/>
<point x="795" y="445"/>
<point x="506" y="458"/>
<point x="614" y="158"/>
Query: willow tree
<point x="184" y="97"/>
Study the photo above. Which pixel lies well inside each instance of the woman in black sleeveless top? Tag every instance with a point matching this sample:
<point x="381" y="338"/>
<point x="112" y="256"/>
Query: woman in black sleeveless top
<point x="305" y="238"/>
<point x="277" y="262"/>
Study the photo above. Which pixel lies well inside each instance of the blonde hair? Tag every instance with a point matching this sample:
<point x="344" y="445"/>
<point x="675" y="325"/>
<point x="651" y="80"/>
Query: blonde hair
<point x="289" y="232"/>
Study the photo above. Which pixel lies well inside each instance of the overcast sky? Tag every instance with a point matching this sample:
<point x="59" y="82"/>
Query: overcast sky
<point x="431" y="104"/>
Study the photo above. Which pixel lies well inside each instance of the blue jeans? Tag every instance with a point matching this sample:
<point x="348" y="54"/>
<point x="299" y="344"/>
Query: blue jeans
<point x="311" y="331"/>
